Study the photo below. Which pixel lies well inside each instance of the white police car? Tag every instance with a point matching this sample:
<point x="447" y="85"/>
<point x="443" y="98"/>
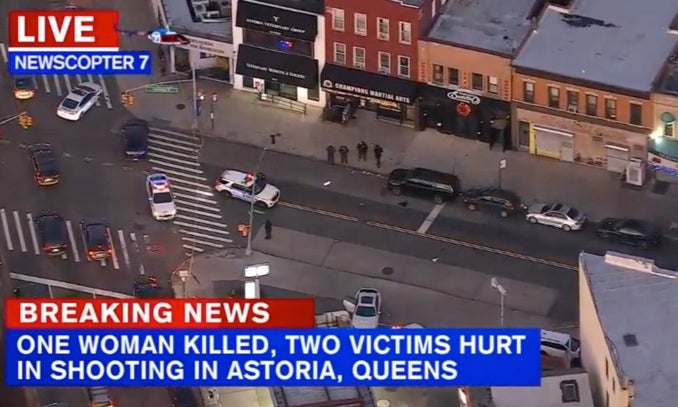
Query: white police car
<point x="247" y="187"/>
<point x="160" y="197"/>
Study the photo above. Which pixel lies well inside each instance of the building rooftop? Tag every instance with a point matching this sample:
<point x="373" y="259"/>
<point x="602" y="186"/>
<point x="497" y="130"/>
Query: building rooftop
<point x="200" y="18"/>
<point x="497" y="26"/>
<point x="637" y="304"/>
<point x="620" y="43"/>
<point x="556" y="386"/>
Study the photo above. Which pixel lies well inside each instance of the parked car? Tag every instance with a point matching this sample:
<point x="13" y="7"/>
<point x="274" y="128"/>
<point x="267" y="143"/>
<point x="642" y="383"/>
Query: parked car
<point x="425" y="183"/>
<point x="497" y="200"/>
<point x="562" y="346"/>
<point x="367" y="309"/>
<point x="633" y="232"/>
<point x="557" y="215"/>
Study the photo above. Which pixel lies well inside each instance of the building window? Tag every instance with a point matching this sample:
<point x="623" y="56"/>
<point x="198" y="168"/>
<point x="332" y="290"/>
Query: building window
<point x="404" y="66"/>
<point x="493" y="85"/>
<point x="382" y="29"/>
<point x="669" y="130"/>
<point x="528" y="92"/>
<point x="607" y="369"/>
<point x="592" y="105"/>
<point x="569" y="391"/>
<point x="572" y="101"/>
<point x="554" y="97"/>
<point x="437" y="74"/>
<point x="610" y="109"/>
<point x="614" y="386"/>
<point x="360" y="24"/>
<point x="384" y="62"/>
<point x="453" y="76"/>
<point x="607" y="399"/>
<point x="477" y="81"/>
<point x="636" y="114"/>
<point x="359" y="57"/>
<point x="337" y="19"/>
<point x="405" y="33"/>
<point x="340" y="53"/>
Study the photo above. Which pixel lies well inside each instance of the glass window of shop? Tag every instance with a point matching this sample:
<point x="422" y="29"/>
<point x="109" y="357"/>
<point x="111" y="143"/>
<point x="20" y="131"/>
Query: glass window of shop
<point x="277" y="42"/>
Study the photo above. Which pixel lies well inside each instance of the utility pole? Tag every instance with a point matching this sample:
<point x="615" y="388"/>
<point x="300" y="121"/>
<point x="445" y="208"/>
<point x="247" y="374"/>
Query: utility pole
<point x="214" y="102"/>
<point x="248" y="249"/>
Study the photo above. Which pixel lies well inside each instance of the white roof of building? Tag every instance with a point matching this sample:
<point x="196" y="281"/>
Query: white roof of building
<point x="549" y="394"/>
<point x="497" y="26"/>
<point x="637" y="300"/>
<point x="620" y="43"/>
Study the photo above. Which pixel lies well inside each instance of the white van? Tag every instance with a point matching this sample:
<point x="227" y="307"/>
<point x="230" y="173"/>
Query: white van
<point x="560" y="345"/>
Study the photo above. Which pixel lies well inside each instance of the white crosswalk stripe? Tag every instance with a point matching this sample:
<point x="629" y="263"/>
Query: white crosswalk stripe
<point x="16" y="239"/>
<point x="199" y="217"/>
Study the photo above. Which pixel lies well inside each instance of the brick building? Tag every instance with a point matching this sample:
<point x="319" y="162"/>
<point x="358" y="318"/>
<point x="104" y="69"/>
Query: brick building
<point x="372" y="56"/>
<point x="583" y="81"/>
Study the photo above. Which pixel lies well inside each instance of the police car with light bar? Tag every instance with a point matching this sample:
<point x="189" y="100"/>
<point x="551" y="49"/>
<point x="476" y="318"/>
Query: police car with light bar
<point x="160" y="197"/>
<point x="248" y="188"/>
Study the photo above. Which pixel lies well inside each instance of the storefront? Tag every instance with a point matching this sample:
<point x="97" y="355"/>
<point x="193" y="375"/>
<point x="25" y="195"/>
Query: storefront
<point x="662" y="157"/>
<point x="392" y="99"/>
<point x="465" y="114"/>
<point x="204" y="54"/>
<point x="279" y="51"/>
<point x="552" y="143"/>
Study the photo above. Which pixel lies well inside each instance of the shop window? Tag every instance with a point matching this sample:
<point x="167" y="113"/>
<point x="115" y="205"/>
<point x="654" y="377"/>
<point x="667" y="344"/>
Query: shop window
<point x="493" y="85"/>
<point x="405" y="30"/>
<point x="452" y="76"/>
<point x="359" y="57"/>
<point x="384" y="62"/>
<point x="437" y="74"/>
<point x="592" y="105"/>
<point x="610" y="109"/>
<point x="360" y="24"/>
<point x="340" y="53"/>
<point x="669" y="130"/>
<point x="337" y="19"/>
<point x="636" y="114"/>
<point x="572" y="101"/>
<point x="383" y="29"/>
<point x="554" y="97"/>
<point x="404" y="66"/>
<point x="477" y="81"/>
<point x="528" y="92"/>
<point x="314" y="93"/>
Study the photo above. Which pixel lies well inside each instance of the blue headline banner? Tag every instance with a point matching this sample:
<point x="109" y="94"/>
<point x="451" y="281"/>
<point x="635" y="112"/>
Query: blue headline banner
<point x="315" y="357"/>
<point x="80" y="63"/>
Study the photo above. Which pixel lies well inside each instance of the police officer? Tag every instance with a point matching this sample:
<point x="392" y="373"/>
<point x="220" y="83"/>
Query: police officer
<point x="362" y="151"/>
<point x="378" y="151"/>
<point x="268" y="229"/>
<point x="330" y="154"/>
<point x="343" y="154"/>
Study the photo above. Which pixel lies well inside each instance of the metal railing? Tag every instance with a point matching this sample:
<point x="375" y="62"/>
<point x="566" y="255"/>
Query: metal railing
<point x="283" y="103"/>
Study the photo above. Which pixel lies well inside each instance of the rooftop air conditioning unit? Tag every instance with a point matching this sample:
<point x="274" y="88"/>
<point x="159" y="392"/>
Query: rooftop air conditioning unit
<point x="384" y="70"/>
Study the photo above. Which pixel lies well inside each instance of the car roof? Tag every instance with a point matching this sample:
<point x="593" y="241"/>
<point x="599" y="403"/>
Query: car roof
<point x="436" y="176"/>
<point x="33" y="148"/>
<point x="235" y="176"/>
<point x="557" y="337"/>
<point x="558" y="207"/>
<point x="497" y="192"/>
<point x="80" y="91"/>
<point x="46" y="216"/>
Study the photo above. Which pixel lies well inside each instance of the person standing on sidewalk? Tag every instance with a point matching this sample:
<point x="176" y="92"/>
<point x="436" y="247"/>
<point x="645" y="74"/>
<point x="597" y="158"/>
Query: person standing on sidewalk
<point x="268" y="229"/>
<point x="330" y="154"/>
<point x="343" y="154"/>
<point x="362" y="151"/>
<point x="378" y="151"/>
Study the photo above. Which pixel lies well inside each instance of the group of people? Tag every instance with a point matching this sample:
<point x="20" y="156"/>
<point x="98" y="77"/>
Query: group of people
<point x="362" y="149"/>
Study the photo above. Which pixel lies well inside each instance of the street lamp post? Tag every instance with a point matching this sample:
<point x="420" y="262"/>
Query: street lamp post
<point x="183" y="275"/>
<point x="252" y="274"/>
<point x="248" y="249"/>
<point x="502" y="292"/>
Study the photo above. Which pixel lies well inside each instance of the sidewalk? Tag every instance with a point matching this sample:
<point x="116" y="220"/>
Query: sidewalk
<point x="239" y="117"/>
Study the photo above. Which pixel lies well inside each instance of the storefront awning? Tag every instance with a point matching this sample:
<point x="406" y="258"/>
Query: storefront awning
<point x="276" y="66"/>
<point x="274" y="20"/>
<point x="368" y="85"/>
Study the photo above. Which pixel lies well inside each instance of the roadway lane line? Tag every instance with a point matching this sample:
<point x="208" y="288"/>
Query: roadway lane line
<point x="34" y="236"/>
<point x="202" y="242"/>
<point x="174" y="133"/>
<point x="114" y="255"/>
<point x="318" y="211"/>
<point x="45" y="81"/>
<point x="174" y="141"/>
<point x="170" y="165"/>
<point x="5" y="228"/>
<point x="204" y="200"/>
<point x="152" y="141"/>
<point x="20" y="231"/>
<point x="430" y="218"/>
<point x="193" y="160"/>
<point x="192" y="248"/>
<point x="209" y="215"/>
<point x="70" y="286"/>
<point x="197" y="205"/>
<point x="123" y="246"/>
<point x="3" y="52"/>
<point x="198" y="220"/>
<point x="71" y="238"/>
<point x="193" y="157"/>
<point x="176" y="176"/>
<point x="67" y="79"/>
<point x="205" y="228"/>
<point x="202" y="235"/>
<point x="57" y="84"/>
<point x="193" y="190"/>
<point x="107" y="95"/>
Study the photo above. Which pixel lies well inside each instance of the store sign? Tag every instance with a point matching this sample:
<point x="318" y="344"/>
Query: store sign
<point x="277" y="66"/>
<point x="277" y="21"/>
<point x="327" y="84"/>
<point x="275" y="72"/>
<point x="461" y="96"/>
<point x="216" y="48"/>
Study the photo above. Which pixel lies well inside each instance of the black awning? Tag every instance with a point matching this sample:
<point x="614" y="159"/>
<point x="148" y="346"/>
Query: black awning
<point x="311" y="6"/>
<point x="277" y="21"/>
<point x="367" y="84"/>
<point x="276" y="66"/>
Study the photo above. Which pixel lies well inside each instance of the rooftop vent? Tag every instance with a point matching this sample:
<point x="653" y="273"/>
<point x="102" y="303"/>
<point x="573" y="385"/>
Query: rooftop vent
<point x="630" y="340"/>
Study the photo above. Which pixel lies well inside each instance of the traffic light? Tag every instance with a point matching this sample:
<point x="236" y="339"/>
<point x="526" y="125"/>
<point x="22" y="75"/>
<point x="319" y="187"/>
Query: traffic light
<point x="25" y="121"/>
<point x="127" y="99"/>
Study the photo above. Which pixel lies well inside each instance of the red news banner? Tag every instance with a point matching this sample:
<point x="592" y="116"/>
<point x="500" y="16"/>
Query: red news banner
<point x="159" y="314"/>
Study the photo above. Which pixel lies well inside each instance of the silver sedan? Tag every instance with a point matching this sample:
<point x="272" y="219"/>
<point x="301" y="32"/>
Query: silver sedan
<point x="557" y="215"/>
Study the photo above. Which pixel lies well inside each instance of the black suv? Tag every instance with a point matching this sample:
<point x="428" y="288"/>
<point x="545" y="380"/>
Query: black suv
<point x="134" y="134"/>
<point x="425" y="183"/>
<point x="44" y="163"/>
<point x="494" y="199"/>
<point x="96" y="237"/>
<point x="53" y="234"/>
